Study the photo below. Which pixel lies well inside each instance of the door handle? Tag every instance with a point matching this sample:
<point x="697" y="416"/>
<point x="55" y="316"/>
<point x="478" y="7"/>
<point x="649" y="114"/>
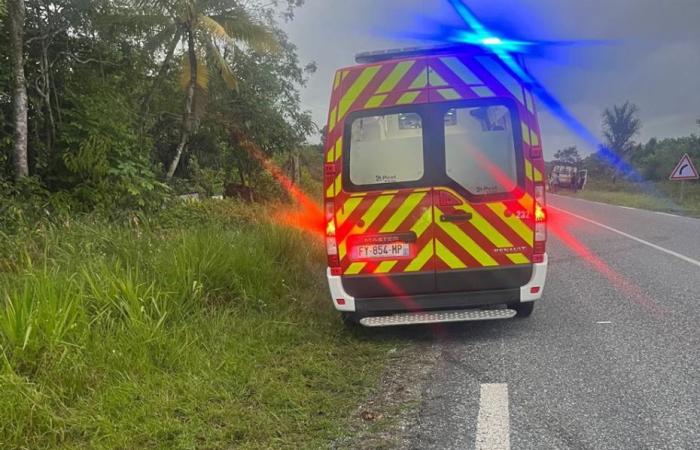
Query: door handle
<point x="466" y="217"/>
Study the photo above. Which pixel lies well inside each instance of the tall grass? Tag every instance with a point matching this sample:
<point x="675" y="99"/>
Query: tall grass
<point x="656" y="196"/>
<point x="200" y="328"/>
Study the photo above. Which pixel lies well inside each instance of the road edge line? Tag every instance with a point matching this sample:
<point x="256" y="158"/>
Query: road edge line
<point x="629" y="236"/>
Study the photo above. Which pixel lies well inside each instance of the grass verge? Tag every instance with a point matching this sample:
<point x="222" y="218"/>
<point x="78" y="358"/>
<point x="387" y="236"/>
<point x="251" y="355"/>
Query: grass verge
<point x="664" y="197"/>
<point x="202" y="328"/>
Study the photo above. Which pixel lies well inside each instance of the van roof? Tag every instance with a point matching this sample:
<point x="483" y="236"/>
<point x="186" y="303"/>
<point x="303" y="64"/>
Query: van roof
<point x="377" y="56"/>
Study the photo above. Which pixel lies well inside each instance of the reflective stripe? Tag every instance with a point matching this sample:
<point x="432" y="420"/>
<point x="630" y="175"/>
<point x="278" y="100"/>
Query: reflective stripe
<point x="355" y="268"/>
<point x="348" y="207"/>
<point x="526" y="133"/>
<point x="421" y="80"/>
<point x="408" y="97"/>
<point x="482" y="91"/>
<point x="332" y="118"/>
<point x="402" y="213"/>
<point x="466" y="242"/>
<point x="423" y="223"/>
<point x="421" y="259"/>
<point x="485" y="228"/>
<point x="449" y="258"/>
<point x="505" y="78"/>
<point x="376" y="101"/>
<point x="530" y="102"/>
<point x="449" y="94"/>
<point x="518" y="258"/>
<point x="342" y="250"/>
<point x="461" y="70"/>
<point x="338" y="148"/>
<point x="533" y="173"/>
<point x="335" y="188"/>
<point x="338" y="184"/>
<point x="356" y="89"/>
<point x="513" y="222"/>
<point x="436" y="80"/>
<point x="374" y="211"/>
<point x="385" y="266"/>
<point x="337" y="80"/>
<point x="390" y="83"/>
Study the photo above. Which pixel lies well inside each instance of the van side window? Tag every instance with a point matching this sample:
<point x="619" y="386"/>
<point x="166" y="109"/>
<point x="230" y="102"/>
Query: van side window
<point x="480" y="150"/>
<point x="386" y="149"/>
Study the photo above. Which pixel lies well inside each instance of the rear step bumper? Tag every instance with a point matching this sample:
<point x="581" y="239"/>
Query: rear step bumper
<point x="468" y="315"/>
<point x="441" y="301"/>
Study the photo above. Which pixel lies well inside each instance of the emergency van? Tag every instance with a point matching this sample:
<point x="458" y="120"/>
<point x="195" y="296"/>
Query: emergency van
<point x="434" y="189"/>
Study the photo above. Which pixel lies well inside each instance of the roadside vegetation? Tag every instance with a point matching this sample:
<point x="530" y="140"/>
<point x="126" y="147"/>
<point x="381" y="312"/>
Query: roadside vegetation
<point x="200" y="327"/>
<point x="627" y="173"/>
<point x="661" y="196"/>
<point x="132" y="319"/>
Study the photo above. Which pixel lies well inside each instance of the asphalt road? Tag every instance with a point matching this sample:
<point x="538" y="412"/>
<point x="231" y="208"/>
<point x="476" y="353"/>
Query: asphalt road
<point x="610" y="359"/>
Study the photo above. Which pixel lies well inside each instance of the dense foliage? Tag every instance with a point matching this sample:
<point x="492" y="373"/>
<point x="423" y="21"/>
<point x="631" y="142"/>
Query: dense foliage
<point x="110" y="108"/>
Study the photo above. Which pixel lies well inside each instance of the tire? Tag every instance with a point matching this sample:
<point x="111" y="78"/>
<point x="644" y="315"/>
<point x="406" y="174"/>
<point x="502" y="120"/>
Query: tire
<point x="523" y="310"/>
<point x="350" y="320"/>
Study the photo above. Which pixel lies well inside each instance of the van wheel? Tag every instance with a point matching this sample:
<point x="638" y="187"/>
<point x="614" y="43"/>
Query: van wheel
<point x="523" y="310"/>
<point x="350" y="320"/>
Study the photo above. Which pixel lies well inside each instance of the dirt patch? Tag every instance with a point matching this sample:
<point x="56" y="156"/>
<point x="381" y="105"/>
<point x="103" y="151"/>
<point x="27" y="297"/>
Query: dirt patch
<point x="385" y="419"/>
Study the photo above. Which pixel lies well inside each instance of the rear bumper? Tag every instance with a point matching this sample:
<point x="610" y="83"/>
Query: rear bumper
<point x="442" y="300"/>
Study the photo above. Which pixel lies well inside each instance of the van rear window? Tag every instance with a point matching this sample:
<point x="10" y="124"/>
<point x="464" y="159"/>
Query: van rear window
<point x="480" y="152"/>
<point x="386" y="149"/>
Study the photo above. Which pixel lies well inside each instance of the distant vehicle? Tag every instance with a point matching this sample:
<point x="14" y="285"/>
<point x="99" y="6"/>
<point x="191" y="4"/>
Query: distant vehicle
<point x="567" y="176"/>
<point x="434" y="190"/>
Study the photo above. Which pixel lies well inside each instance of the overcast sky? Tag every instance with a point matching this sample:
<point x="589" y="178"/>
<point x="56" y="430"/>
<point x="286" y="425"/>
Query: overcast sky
<point x="650" y="54"/>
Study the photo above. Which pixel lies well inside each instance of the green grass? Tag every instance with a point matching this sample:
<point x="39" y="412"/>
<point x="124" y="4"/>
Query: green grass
<point x="202" y="328"/>
<point x="663" y="196"/>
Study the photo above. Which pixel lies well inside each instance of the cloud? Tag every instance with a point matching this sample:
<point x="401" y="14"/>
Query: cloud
<point x="651" y="56"/>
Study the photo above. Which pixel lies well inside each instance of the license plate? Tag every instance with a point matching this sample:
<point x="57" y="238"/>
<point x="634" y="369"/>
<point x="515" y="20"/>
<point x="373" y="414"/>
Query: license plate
<point x="394" y="250"/>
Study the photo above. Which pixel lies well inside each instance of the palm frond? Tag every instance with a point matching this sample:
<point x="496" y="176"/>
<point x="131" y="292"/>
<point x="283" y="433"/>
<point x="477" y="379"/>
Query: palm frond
<point x="214" y="29"/>
<point x="242" y="27"/>
<point x="217" y="60"/>
<point x="202" y="81"/>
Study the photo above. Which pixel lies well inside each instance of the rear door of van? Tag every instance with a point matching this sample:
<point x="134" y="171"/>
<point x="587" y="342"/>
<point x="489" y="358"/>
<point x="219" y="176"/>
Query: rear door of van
<point x="383" y="201"/>
<point x="483" y="193"/>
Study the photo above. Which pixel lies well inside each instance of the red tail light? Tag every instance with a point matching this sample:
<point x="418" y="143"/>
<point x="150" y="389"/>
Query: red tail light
<point x="540" y="225"/>
<point x="331" y="242"/>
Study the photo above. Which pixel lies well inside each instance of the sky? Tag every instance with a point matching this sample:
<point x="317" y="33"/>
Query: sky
<point x="644" y="51"/>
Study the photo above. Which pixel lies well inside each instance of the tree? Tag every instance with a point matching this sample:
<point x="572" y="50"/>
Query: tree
<point x="568" y="155"/>
<point x="16" y="17"/>
<point x="211" y="30"/>
<point x="620" y="125"/>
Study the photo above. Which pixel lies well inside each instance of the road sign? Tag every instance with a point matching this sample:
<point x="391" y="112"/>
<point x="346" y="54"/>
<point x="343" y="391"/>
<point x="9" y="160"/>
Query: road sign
<point x="685" y="170"/>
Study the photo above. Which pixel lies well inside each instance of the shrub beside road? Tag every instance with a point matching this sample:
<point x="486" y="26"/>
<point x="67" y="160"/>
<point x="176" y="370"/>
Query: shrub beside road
<point x="203" y="327"/>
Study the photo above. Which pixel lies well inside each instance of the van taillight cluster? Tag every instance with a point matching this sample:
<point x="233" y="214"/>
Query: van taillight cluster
<point x="331" y="242"/>
<point x="540" y="225"/>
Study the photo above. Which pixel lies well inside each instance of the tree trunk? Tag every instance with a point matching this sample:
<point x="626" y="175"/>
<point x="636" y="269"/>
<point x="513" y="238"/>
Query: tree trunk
<point x="16" y="16"/>
<point x="146" y="103"/>
<point x="188" y="119"/>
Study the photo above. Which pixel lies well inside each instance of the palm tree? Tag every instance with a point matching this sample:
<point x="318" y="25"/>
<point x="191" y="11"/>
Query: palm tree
<point x="620" y="125"/>
<point x="210" y="31"/>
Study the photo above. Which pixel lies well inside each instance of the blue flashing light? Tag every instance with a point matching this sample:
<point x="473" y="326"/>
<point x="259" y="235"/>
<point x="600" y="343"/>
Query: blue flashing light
<point x="505" y="50"/>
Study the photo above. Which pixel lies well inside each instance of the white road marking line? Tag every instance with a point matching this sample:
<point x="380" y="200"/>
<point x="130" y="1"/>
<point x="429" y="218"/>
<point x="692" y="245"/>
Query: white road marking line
<point x="634" y="238"/>
<point x="677" y="216"/>
<point x="493" y="424"/>
<point x="603" y="322"/>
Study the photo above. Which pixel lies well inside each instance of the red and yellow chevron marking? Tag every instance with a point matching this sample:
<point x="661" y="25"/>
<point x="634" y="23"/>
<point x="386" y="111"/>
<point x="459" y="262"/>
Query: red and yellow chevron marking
<point x="386" y="213"/>
<point x="495" y="235"/>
